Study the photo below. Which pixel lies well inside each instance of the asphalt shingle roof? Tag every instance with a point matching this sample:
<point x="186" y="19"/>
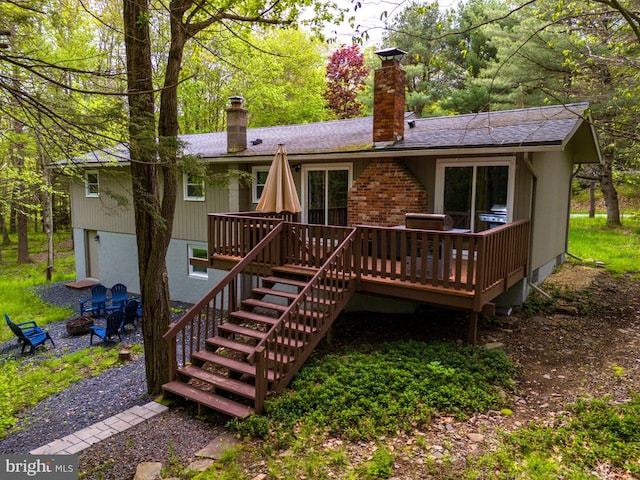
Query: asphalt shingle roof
<point x="550" y="125"/>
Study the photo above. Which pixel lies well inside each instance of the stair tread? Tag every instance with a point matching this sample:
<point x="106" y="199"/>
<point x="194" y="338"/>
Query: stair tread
<point x="240" y="330"/>
<point x="211" y="400"/>
<point x="231" y="363"/>
<point x="300" y="328"/>
<point x="276" y="293"/>
<point x="231" y="345"/>
<point x="285" y="281"/>
<point x="255" y="303"/>
<point x="221" y="360"/>
<point x="254" y="317"/>
<point x="220" y="381"/>
<point x="301" y="270"/>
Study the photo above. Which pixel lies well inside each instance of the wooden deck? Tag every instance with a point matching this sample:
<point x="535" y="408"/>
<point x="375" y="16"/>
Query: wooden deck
<point x="471" y="269"/>
<point x="288" y="282"/>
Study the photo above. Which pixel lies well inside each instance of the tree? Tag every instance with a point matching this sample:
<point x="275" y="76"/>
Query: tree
<point x="346" y="72"/>
<point x="422" y="31"/>
<point x="153" y="162"/>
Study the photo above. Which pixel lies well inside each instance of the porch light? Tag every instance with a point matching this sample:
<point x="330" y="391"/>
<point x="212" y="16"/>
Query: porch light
<point x="391" y="54"/>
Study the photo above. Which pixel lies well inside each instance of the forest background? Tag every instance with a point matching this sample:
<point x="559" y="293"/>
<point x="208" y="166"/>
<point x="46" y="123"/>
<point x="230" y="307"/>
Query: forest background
<point x="85" y="75"/>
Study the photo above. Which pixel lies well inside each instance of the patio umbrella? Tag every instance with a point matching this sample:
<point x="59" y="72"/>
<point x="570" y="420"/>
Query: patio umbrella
<point x="279" y="193"/>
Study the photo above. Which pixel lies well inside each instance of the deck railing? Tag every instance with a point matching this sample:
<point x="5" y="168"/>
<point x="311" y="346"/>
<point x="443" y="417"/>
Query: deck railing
<point x="481" y="265"/>
<point x="309" y="315"/>
<point x="188" y="335"/>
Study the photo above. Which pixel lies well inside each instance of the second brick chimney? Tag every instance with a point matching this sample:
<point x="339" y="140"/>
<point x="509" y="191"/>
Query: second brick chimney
<point x="236" y="126"/>
<point x="388" y="99"/>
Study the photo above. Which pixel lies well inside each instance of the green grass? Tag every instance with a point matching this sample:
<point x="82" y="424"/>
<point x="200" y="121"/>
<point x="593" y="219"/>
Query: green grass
<point x="619" y="249"/>
<point x="18" y="281"/>
<point x="23" y="383"/>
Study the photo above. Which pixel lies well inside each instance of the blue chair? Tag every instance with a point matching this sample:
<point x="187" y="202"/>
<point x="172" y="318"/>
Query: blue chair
<point x="94" y="305"/>
<point x="115" y="322"/>
<point x="118" y="298"/>
<point x="29" y="333"/>
<point x="130" y="314"/>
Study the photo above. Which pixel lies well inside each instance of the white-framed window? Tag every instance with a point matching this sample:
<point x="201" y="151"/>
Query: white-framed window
<point x="193" y="188"/>
<point x="468" y="188"/>
<point x="198" y="268"/>
<point x="324" y="193"/>
<point x="92" y="183"/>
<point x="259" y="175"/>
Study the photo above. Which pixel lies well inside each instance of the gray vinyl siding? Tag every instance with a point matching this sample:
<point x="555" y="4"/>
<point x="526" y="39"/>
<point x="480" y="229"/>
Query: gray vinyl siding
<point x="549" y="223"/>
<point x="190" y="222"/>
<point x="111" y="211"/>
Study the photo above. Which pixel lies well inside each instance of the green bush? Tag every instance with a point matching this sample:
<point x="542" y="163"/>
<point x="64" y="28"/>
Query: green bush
<point x="594" y="433"/>
<point x="360" y="395"/>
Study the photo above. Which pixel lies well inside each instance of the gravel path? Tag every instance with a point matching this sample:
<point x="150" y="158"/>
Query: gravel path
<point x="83" y="403"/>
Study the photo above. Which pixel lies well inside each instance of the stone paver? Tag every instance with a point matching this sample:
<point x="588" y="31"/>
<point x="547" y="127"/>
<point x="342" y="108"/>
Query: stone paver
<point x="78" y="441"/>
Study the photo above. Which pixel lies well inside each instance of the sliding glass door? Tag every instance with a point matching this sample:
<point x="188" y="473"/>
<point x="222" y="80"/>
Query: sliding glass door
<point x="468" y="190"/>
<point x="325" y="194"/>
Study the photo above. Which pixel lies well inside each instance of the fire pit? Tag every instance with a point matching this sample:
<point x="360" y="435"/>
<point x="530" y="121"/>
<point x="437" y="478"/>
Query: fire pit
<point x="79" y="325"/>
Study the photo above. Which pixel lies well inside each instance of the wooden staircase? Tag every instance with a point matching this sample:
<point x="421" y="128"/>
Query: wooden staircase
<point x="275" y="317"/>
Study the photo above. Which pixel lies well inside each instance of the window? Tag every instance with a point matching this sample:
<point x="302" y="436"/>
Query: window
<point x="466" y="190"/>
<point x="259" y="179"/>
<point x="193" y="188"/>
<point x="198" y="262"/>
<point x="91" y="183"/>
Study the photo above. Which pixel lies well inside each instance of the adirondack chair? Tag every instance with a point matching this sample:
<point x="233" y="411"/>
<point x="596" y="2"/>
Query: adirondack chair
<point x="28" y="333"/>
<point x="114" y="324"/>
<point x="96" y="303"/>
<point x="118" y="298"/>
<point x="130" y="314"/>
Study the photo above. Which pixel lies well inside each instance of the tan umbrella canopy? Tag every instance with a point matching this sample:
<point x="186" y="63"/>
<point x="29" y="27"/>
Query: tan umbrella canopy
<point x="279" y="193"/>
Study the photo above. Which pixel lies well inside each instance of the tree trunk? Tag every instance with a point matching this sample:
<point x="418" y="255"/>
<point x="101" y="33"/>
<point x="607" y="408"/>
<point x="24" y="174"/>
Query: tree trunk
<point x="592" y="199"/>
<point x="23" y="237"/>
<point x="610" y="194"/>
<point x="153" y="230"/>
<point x="6" y="240"/>
<point x="22" y="222"/>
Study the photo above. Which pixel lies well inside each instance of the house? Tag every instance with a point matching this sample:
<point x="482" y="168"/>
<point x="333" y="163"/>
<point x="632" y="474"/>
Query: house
<point x="519" y="160"/>
<point x="502" y="179"/>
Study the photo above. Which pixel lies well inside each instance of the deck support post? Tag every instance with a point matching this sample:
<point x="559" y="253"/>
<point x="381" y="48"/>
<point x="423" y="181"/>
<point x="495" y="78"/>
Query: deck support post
<point x="330" y="335"/>
<point x="473" y="328"/>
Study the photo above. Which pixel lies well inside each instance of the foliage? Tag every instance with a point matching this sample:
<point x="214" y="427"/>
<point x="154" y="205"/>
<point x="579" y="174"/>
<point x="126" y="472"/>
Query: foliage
<point x="362" y="394"/>
<point x="23" y="383"/>
<point x="279" y="73"/>
<point x="380" y="465"/>
<point x="594" y="435"/>
<point x="432" y="65"/>
<point x="346" y="72"/>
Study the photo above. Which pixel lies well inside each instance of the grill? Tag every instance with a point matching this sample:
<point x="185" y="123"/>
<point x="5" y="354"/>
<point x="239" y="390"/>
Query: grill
<point x="495" y="217"/>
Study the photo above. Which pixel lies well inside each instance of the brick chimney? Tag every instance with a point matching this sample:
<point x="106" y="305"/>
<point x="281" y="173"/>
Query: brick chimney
<point x="236" y="126"/>
<point x="383" y="193"/>
<point x="388" y="99"/>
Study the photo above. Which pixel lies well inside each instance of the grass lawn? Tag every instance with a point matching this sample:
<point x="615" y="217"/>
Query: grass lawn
<point x="18" y="282"/>
<point x="619" y="249"/>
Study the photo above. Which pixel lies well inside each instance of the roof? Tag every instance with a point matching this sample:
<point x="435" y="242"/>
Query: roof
<point x="539" y="126"/>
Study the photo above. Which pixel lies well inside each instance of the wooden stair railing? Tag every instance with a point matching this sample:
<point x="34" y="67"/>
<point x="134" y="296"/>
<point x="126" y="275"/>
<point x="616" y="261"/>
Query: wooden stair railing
<point x="256" y="328"/>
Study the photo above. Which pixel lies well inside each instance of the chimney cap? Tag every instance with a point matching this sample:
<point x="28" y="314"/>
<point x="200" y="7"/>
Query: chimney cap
<point x="391" y="53"/>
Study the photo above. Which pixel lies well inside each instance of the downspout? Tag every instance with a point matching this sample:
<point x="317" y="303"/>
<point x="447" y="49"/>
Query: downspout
<point x="534" y="191"/>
